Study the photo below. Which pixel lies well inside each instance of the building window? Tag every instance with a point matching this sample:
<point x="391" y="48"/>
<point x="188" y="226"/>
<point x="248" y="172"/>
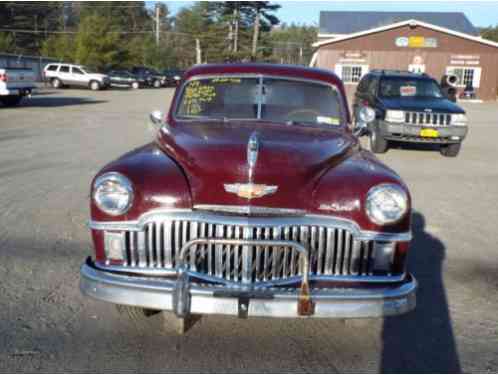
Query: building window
<point x="466" y="76"/>
<point x="351" y="73"/>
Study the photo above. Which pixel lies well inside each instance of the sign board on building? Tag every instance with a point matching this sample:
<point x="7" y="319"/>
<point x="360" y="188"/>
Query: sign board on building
<point x="415" y="42"/>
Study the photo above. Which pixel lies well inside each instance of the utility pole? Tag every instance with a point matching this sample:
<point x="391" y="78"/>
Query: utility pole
<point x="198" y="51"/>
<point x="157" y="24"/>
<point x="300" y="55"/>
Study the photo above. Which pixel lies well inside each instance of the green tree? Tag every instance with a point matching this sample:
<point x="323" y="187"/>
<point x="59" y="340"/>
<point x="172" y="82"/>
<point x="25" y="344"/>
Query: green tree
<point x="97" y="42"/>
<point x="6" y="42"/>
<point x="60" y="47"/>
<point x="490" y="33"/>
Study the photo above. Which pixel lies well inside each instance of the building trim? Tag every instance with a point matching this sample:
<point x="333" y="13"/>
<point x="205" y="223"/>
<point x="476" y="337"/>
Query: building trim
<point x="411" y="22"/>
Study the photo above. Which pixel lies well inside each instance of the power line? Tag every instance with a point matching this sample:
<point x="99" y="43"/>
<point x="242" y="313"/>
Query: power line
<point x="27" y="31"/>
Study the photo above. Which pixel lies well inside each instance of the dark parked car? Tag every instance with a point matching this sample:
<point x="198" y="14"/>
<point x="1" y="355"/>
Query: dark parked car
<point x="173" y="76"/>
<point x="410" y="107"/>
<point x="124" y="78"/>
<point x="255" y="199"/>
<point x="150" y="76"/>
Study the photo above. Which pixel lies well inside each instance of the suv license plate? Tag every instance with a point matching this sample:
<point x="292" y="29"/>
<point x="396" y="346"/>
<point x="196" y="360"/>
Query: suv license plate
<point x="429" y="133"/>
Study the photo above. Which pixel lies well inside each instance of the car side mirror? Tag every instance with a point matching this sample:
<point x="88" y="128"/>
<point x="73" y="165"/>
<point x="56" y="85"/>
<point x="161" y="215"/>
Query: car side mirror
<point x="365" y="116"/>
<point x="157" y="119"/>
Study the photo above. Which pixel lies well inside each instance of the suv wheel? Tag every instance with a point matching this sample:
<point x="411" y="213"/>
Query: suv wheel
<point x="94" y="85"/>
<point x="56" y="83"/>
<point x="156" y="84"/>
<point x="450" y="150"/>
<point x="378" y="144"/>
<point x="135" y="85"/>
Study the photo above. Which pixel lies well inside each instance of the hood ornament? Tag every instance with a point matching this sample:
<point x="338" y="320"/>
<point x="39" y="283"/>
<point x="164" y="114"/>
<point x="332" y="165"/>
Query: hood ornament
<point x="251" y="190"/>
<point x="252" y="154"/>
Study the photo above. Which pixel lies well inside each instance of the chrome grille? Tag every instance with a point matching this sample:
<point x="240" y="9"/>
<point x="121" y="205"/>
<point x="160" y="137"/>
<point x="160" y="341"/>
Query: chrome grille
<point x="428" y="118"/>
<point x="333" y="251"/>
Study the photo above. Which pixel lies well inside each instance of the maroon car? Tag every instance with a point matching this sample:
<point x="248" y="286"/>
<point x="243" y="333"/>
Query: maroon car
<point x="255" y="199"/>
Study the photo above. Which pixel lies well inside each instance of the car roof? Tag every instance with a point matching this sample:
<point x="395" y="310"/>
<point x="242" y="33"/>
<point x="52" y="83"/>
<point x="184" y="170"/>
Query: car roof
<point x="399" y="73"/>
<point x="268" y="69"/>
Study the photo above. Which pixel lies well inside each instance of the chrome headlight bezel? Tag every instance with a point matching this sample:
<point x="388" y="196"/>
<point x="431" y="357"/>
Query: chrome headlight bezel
<point x="122" y="185"/>
<point x="395" y="116"/>
<point x="381" y="216"/>
<point x="459" y="119"/>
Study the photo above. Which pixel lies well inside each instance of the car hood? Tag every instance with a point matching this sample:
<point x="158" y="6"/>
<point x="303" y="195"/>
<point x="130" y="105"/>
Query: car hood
<point x="421" y="104"/>
<point x="290" y="158"/>
<point x="97" y="75"/>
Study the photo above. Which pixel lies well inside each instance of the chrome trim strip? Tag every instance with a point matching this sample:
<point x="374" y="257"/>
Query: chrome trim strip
<point x="329" y="303"/>
<point x="211" y="217"/>
<point x="169" y="272"/>
<point x="250" y="210"/>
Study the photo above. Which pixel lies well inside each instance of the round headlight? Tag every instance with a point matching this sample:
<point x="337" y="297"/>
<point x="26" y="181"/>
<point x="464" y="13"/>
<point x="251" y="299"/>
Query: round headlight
<point x="113" y="193"/>
<point x="366" y="114"/>
<point x="386" y="204"/>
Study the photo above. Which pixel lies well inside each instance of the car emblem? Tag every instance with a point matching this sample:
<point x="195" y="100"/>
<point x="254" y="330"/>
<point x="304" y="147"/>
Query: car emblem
<point x="250" y="190"/>
<point x="252" y="154"/>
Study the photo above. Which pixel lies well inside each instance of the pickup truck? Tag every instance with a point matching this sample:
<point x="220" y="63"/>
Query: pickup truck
<point x="15" y="83"/>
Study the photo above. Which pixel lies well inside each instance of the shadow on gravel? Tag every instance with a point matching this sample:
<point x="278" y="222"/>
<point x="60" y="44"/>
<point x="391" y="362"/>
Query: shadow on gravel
<point x="423" y="340"/>
<point x="58" y="101"/>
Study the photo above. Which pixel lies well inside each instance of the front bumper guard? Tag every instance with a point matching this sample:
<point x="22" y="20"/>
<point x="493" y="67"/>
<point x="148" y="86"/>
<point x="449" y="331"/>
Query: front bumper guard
<point x="186" y="297"/>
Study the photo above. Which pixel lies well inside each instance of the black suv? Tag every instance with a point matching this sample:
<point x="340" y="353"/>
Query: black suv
<point x="409" y="107"/>
<point x="148" y="75"/>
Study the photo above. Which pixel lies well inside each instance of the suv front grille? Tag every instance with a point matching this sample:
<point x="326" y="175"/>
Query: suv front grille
<point x="428" y="118"/>
<point x="333" y="251"/>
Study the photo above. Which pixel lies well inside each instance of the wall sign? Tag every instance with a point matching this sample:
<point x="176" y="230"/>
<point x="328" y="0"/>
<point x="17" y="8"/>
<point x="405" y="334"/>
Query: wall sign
<point x="415" y="42"/>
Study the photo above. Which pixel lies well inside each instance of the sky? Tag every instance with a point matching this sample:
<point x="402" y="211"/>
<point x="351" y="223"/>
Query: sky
<point x="480" y="13"/>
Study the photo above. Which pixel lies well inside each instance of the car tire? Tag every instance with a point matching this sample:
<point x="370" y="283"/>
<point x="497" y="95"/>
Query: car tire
<point x="11" y="100"/>
<point x="378" y="145"/>
<point x="156" y="84"/>
<point x="94" y="86"/>
<point x="56" y="83"/>
<point x="135" y="85"/>
<point x="450" y="150"/>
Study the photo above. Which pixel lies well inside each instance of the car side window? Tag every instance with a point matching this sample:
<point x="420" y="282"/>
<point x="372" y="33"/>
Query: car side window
<point x="77" y="71"/>
<point x="363" y="85"/>
<point x="64" y="69"/>
<point x="372" y="86"/>
<point x="52" y="68"/>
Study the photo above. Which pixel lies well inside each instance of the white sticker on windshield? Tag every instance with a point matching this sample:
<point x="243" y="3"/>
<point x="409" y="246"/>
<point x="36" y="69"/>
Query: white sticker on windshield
<point x="328" y="120"/>
<point x="408" y="90"/>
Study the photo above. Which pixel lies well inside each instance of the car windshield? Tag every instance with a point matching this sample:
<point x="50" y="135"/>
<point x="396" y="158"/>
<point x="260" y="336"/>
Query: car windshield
<point x="395" y="87"/>
<point x="254" y="98"/>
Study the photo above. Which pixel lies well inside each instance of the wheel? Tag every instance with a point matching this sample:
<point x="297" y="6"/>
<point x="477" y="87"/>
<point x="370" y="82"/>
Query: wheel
<point x="135" y="85"/>
<point x="94" y="85"/>
<point x="378" y="144"/>
<point x="153" y="320"/>
<point x="156" y="84"/>
<point x="450" y="150"/>
<point x="11" y="100"/>
<point x="56" y="83"/>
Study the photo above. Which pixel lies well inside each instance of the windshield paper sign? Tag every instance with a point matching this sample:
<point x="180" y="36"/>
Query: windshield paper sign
<point x="408" y="90"/>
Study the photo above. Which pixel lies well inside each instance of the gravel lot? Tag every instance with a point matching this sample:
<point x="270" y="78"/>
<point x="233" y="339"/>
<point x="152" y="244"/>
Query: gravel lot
<point x="52" y="145"/>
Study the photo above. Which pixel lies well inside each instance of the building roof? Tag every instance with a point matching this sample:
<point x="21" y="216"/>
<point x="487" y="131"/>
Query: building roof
<point x="404" y="23"/>
<point x="352" y="22"/>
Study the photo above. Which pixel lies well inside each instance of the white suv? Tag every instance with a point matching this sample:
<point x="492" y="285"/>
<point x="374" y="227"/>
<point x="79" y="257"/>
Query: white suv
<point x="60" y="75"/>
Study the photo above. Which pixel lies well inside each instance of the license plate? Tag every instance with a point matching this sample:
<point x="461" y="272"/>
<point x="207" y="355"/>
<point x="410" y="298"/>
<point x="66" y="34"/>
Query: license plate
<point x="429" y="133"/>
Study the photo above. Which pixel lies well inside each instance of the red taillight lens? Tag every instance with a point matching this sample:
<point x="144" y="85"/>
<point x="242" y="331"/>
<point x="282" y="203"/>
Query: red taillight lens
<point x="3" y="77"/>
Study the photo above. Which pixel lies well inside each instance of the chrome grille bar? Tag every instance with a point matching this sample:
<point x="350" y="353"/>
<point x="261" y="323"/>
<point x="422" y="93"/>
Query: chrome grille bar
<point x="332" y="251"/>
<point x="428" y="118"/>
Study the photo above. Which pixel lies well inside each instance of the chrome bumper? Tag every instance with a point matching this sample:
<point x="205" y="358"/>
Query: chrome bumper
<point x="159" y="294"/>
<point x="411" y="132"/>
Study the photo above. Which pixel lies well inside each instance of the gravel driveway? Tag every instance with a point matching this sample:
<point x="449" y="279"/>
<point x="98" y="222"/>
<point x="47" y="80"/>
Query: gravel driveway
<point x="52" y="145"/>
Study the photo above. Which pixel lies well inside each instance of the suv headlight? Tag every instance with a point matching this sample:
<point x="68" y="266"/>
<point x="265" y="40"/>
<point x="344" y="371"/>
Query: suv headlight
<point x="395" y="116"/>
<point x="113" y="193"/>
<point x="459" y="119"/>
<point x="386" y="204"/>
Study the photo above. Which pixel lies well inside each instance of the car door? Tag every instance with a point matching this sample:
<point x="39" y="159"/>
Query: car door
<point x="64" y="74"/>
<point x="79" y="77"/>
